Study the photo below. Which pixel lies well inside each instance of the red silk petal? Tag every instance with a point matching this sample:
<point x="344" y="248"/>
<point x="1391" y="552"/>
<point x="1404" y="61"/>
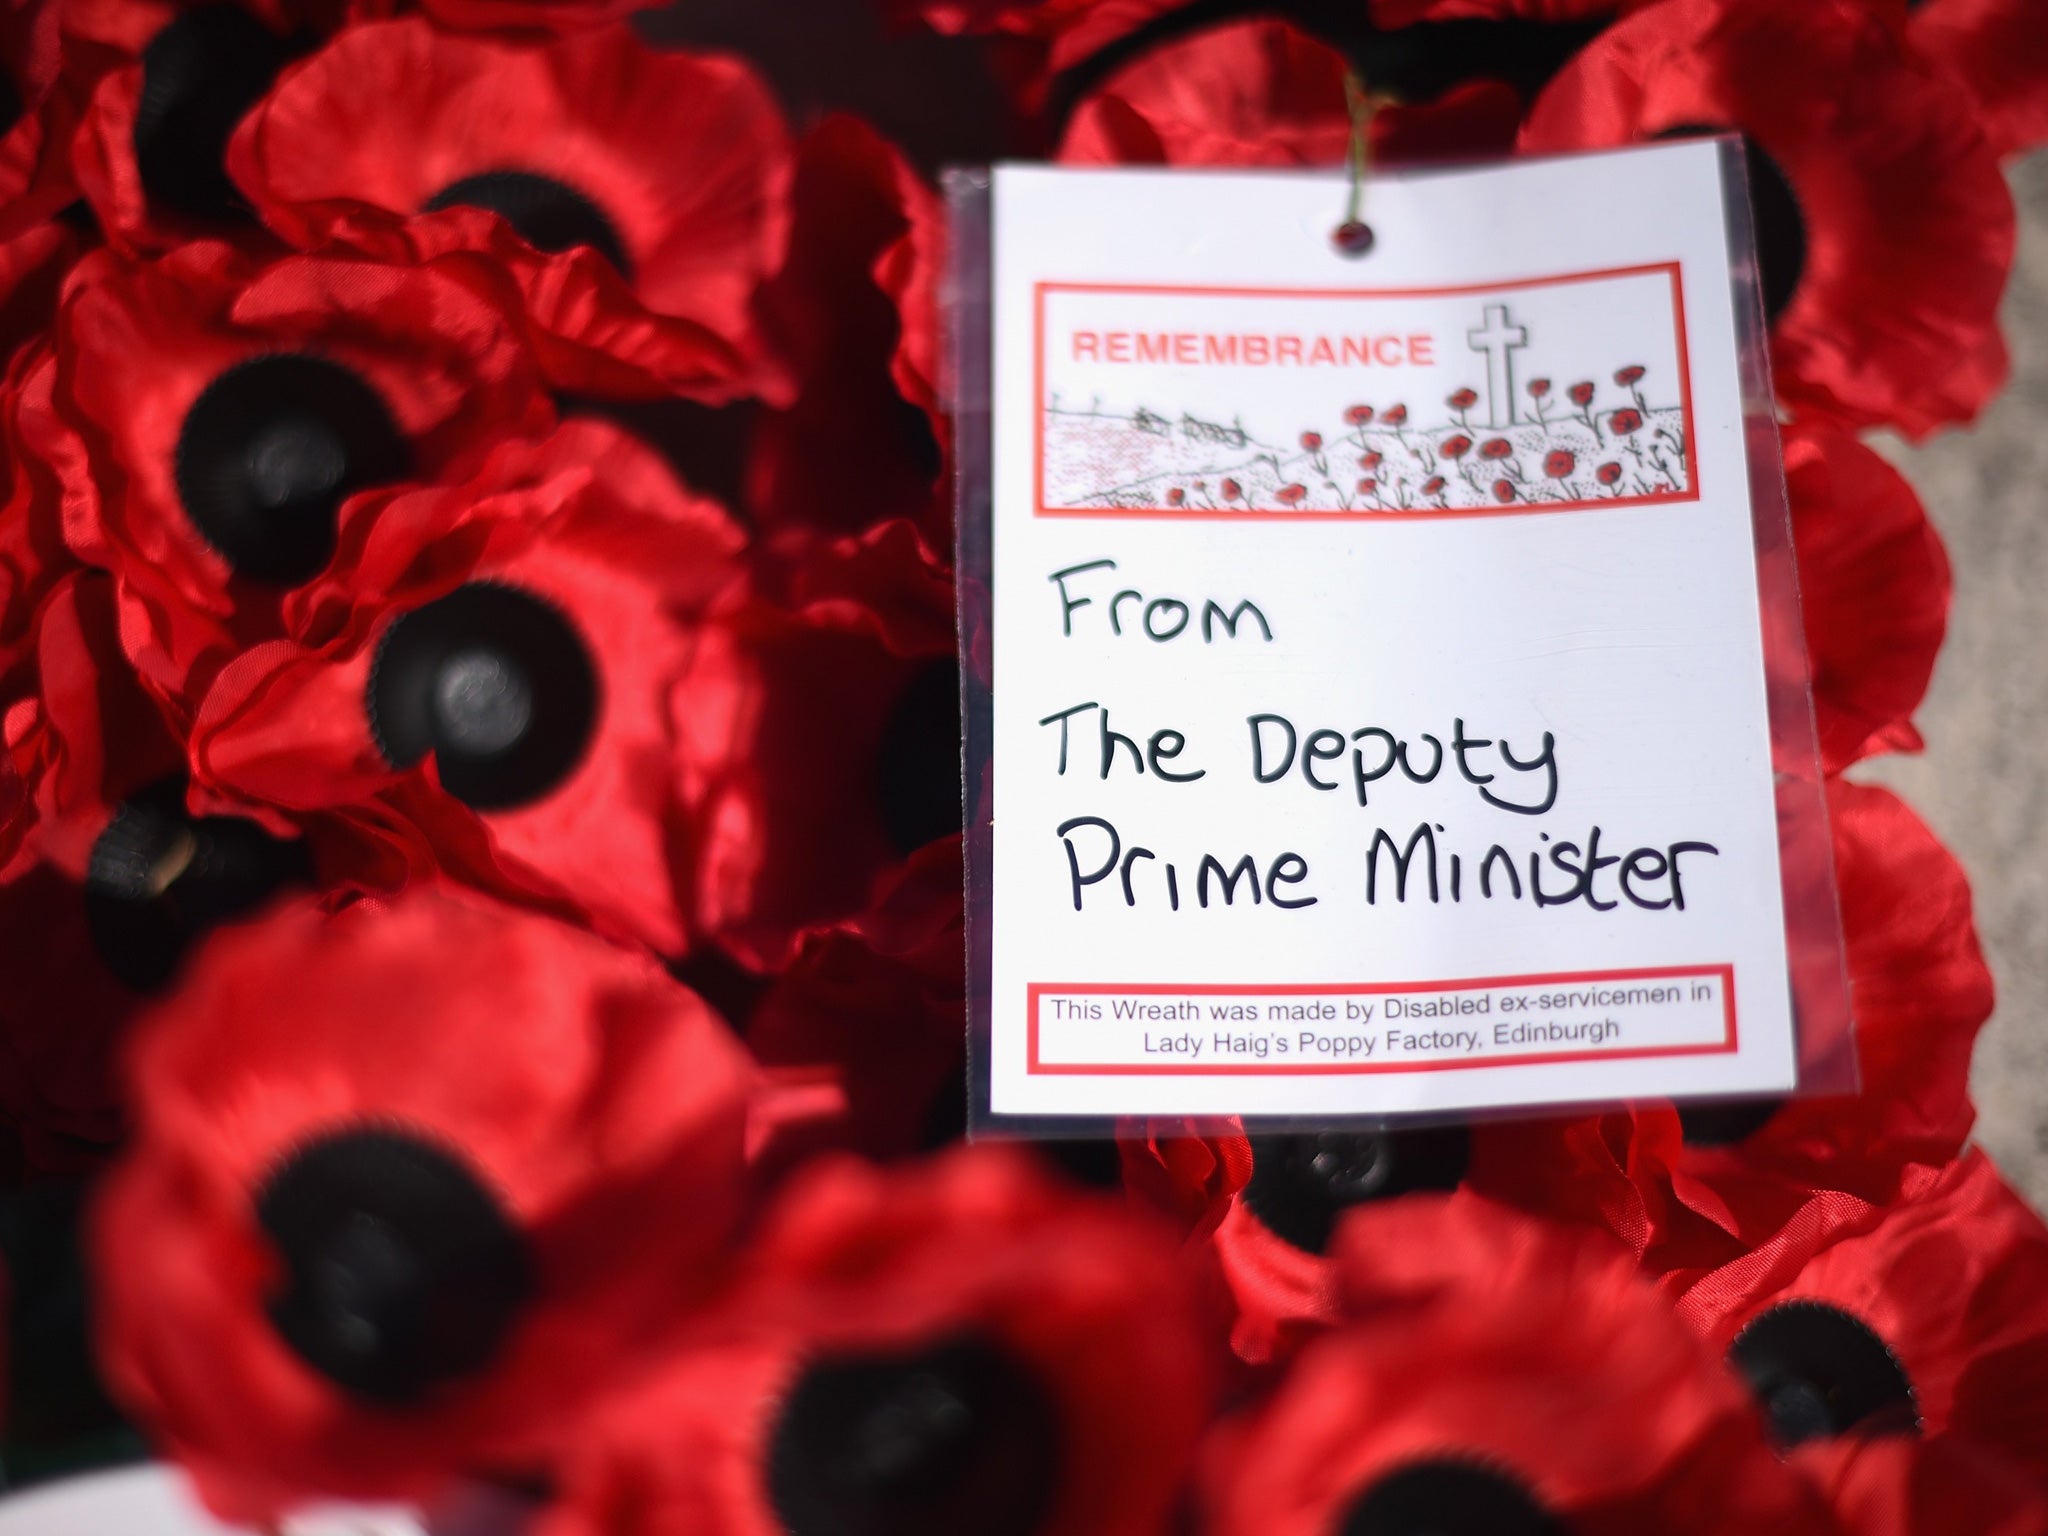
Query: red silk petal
<point x="1874" y="584"/>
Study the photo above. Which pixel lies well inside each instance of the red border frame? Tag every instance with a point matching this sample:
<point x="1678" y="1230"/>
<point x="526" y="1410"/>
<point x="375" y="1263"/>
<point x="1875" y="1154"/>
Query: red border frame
<point x="1034" y="1066"/>
<point x="1671" y="269"/>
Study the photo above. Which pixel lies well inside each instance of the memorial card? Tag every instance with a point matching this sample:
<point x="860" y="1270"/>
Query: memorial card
<point x="1380" y="711"/>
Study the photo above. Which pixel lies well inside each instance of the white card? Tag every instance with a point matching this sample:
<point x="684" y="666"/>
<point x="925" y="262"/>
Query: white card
<point x="1515" y="603"/>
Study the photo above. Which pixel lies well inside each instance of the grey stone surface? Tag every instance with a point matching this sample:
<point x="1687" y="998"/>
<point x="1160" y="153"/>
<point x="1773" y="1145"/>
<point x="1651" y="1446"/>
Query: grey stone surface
<point x="1983" y="781"/>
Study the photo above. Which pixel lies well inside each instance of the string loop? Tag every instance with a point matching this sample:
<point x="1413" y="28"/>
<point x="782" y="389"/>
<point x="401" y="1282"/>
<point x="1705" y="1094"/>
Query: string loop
<point x="1354" y="237"/>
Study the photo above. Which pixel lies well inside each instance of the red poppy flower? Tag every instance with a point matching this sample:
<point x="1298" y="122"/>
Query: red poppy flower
<point x="1694" y="1188"/>
<point x="392" y="1173"/>
<point x="854" y="664"/>
<point x="963" y="1346"/>
<point x="1311" y="441"/>
<point x="1999" y="53"/>
<point x="1538" y="388"/>
<point x="1291" y="495"/>
<point x="1886" y="228"/>
<point x="1608" y="473"/>
<point x="853" y="312"/>
<point x="163" y="84"/>
<point x="1875" y="585"/>
<point x="1630" y="375"/>
<point x="1581" y="393"/>
<point x="221" y="413"/>
<point x="1503" y="490"/>
<point x="1929" y="1314"/>
<point x="1456" y="446"/>
<point x="489" y="665"/>
<point x="1367" y="487"/>
<point x="1394" y="415"/>
<point x="1232" y="490"/>
<point x="1176" y="497"/>
<point x="1463" y="400"/>
<point x="1358" y="415"/>
<point x="407" y="143"/>
<point x="1498" y="1375"/>
<point x="1369" y="460"/>
<point x="1433" y="485"/>
<point x="1263" y="93"/>
<point x="1496" y="448"/>
<point x="1559" y="463"/>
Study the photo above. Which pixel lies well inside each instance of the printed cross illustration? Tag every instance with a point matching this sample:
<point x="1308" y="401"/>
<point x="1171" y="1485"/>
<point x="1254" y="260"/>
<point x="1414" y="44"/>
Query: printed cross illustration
<point x="1498" y="339"/>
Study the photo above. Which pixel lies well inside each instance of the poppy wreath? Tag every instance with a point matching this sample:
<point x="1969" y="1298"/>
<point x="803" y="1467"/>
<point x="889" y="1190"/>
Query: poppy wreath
<point x="481" y="703"/>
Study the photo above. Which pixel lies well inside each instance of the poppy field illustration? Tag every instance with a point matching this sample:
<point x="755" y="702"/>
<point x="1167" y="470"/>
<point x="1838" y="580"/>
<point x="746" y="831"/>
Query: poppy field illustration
<point x="1514" y="426"/>
<point x="1575" y="443"/>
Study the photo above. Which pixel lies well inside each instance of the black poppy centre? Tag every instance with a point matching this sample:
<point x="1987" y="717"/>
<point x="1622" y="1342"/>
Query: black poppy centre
<point x="1300" y="1185"/>
<point x="547" y="214"/>
<point x="401" y="1271"/>
<point x="269" y="452"/>
<point x="159" y="878"/>
<point x="1816" y="1372"/>
<point x="495" y="683"/>
<point x="957" y="1437"/>
<point x="1447" y="1498"/>
<point x="200" y="76"/>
